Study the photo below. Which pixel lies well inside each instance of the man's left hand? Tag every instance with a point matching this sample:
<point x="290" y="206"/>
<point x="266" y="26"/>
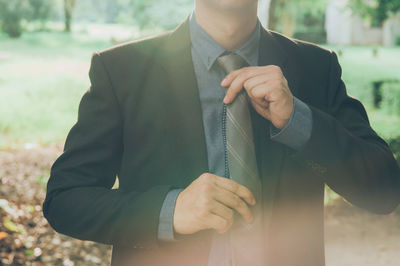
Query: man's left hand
<point x="267" y="89"/>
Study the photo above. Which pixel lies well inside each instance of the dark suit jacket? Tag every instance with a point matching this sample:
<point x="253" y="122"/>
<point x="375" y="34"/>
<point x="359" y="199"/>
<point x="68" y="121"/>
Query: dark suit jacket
<point x="141" y="120"/>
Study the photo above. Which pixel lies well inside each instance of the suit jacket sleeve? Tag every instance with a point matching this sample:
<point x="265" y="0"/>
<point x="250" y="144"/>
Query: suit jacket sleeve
<point x="80" y="201"/>
<point x="351" y="158"/>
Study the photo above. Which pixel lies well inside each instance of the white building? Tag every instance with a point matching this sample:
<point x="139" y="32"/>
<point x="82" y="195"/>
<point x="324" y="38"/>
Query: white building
<point x="345" y="28"/>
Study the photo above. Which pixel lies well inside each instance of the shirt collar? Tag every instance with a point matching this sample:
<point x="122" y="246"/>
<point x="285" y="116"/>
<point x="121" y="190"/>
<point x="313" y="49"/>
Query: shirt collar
<point x="210" y="50"/>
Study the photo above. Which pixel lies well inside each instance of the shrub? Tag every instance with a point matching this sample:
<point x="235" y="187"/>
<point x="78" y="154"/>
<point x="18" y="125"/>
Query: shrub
<point x="11" y="15"/>
<point x="12" y="12"/>
<point x="397" y="42"/>
<point x="39" y="9"/>
<point x="395" y="147"/>
<point x="391" y="97"/>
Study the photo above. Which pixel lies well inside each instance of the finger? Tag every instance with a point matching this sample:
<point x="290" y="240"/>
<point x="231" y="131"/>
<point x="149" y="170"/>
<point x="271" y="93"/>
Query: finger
<point x="237" y="79"/>
<point x="216" y="222"/>
<point x="262" y="109"/>
<point x="236" y="188"/>
<point x="223" y="211"/>
<point x="257" y="69"/>
<point x="261" y="103"/>
<point x="237" y="84"/>
<point x="260" y="79"/>
<point x="231" y="76"/>
<point x="233" y="201"/>
<point x="260" y="92"/>
<point x="268" y="91"/>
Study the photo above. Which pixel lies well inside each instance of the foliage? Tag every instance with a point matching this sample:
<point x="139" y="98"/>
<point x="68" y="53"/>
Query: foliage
<point x="11" y="15"/>
<point x="140" y="12"/>
<point x="168" y="14"/>
<point x="157" y="14"/>
<point x="144" y="14"/>
<point x="395" y="147"/>
<point x="107" y="11"/>
<point x="40" y="9"/>
<point x="284" y="14"/>
<point x="397" y="42"/>
<point x="311" y="28"/>
<point x="376" y="11"/>
<point x="391" y="96"/>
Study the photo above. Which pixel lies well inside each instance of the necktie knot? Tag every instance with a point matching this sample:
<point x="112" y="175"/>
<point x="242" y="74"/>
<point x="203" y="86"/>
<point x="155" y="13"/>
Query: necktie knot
<point x="231" y="62"/>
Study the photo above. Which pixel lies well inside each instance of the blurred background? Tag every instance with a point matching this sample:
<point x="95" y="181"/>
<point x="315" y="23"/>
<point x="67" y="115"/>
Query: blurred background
<point x="45" y="51"/>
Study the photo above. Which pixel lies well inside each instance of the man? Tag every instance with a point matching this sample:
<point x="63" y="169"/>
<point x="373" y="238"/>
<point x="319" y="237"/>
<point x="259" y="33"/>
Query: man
<point x="170" y="115"/>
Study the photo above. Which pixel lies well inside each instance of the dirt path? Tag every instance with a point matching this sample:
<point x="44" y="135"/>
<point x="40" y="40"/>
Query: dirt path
<point x="23" y="176"/>
<point x="353" y="237"/>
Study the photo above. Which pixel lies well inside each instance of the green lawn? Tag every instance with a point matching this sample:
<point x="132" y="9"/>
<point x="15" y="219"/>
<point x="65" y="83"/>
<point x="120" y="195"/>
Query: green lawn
<point x="360" y="68"/>
<point x="43" y="76"/>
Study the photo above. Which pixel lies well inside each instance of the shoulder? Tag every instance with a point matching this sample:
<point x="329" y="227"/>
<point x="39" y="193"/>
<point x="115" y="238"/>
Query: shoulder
<point x="307" y="52"/>
<point x="130" y="59"/>
<point x="134" y="51"/>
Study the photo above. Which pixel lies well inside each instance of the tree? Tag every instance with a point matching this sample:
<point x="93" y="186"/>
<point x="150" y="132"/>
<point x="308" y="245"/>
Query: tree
<point x="40" y="9"/>
<point x="376" y="11"/>
<point x="141" y="14"/>
<point x="160" y="14"/>
<point x="283" y="14"/>
<point x="11" y="15"/>
<point x="68" y="9"/>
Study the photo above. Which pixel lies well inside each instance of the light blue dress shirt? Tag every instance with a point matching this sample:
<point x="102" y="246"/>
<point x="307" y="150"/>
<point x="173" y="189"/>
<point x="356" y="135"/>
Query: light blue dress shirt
<point x="209" y="75"/>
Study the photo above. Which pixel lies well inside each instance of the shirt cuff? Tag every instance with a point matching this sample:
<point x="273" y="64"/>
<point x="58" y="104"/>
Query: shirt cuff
<point x="297" y="132"/>
<point x="166" y="222"/>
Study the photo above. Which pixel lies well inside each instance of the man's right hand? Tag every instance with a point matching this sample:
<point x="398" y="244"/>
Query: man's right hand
<point x="209" y="202"/>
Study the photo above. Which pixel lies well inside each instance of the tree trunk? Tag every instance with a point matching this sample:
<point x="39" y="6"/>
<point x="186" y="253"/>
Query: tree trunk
<point x="68" y="8"/>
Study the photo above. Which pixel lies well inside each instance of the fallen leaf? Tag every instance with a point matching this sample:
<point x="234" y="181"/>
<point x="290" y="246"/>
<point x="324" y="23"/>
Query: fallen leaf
<point x="3" y="235"/>
<point x="30" y="209"/>
<point x="29" y="252"/>
<point x="11" y="226"/>
<point x="18" y="243"/>
<point x="6" y="207"/>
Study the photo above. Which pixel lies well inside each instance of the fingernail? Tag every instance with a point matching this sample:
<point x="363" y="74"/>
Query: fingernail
<point x="226" y="99"/>
<point x="223" y="82"/>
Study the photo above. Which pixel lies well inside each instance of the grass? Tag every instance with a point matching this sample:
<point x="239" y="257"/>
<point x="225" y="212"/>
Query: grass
<point x="43" y="75"/>
<point x="42" y="78"/>
<point x="360" y="69"/>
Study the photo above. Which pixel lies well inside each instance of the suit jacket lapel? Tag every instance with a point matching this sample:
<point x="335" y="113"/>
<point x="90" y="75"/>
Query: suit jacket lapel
<point x="271" y="53"/>
<point x="272" y="154"/>
<point x="183" y="90"/>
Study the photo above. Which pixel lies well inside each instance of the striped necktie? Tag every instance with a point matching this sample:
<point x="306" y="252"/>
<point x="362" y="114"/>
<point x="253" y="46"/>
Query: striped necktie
<point x="246" y="240"/>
